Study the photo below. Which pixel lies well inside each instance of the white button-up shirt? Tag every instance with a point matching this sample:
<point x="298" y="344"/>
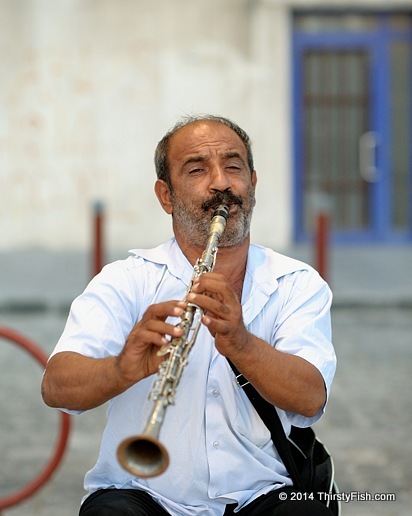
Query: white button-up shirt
<point x="220" y="450"/>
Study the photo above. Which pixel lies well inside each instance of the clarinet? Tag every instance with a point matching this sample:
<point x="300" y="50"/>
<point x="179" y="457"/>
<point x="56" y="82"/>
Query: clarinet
<point x="144" y="455"/>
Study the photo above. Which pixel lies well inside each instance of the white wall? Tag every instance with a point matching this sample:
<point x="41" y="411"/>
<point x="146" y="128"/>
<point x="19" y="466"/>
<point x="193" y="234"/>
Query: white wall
<point x="88" y="87"/>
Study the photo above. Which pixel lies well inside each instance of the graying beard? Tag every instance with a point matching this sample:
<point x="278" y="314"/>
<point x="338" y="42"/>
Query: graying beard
<point x="198" y="234"/>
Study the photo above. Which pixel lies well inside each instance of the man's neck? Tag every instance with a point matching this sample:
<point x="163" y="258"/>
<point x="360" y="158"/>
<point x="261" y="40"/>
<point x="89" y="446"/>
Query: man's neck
<point x="230" y="261"/>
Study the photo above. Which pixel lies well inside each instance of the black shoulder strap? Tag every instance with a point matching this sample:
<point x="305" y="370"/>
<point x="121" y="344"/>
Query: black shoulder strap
<point x="270" y="417"/>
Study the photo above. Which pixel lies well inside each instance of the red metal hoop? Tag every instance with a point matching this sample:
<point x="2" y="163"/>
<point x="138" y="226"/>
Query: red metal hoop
<point x="61" y="444"/>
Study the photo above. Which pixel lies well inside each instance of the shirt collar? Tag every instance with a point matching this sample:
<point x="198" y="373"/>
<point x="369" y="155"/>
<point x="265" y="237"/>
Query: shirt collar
<point x="170" y="255"/>
<point x="266" y="267"/>
<point x="263" y="271"/>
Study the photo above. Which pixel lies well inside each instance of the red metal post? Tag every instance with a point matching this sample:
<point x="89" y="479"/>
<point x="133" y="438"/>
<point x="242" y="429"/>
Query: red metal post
<point x="98" y="237"/>
<point x="322" y="245"/>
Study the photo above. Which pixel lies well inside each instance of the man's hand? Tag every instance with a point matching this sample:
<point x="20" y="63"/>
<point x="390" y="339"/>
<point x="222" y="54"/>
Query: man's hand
<point x="79" y="382"/>
<point x="289" y="382"/>
<point x="223" y="312"/>
<point x="139" y="358"/>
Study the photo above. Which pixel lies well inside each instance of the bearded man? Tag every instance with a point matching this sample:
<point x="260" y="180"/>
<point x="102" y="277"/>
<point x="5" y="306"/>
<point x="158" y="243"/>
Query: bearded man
<point x="266" y="313"/>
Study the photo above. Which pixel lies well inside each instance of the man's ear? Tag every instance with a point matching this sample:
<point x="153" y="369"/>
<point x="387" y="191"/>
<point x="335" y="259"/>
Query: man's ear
<point x="162" y="190"/>
<point x="254" y="178"/>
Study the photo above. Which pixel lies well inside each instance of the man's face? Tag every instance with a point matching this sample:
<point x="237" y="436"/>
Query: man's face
<point x="208" y="165"/>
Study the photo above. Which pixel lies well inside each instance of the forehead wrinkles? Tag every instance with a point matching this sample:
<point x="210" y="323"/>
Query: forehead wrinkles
<point x="204" y="139"/>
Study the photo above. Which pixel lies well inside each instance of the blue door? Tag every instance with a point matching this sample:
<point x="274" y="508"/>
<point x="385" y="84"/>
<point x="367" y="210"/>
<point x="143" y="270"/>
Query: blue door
<point x="353" y="125"/>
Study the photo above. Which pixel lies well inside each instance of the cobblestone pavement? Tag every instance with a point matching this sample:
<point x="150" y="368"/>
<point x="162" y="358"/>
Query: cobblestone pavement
<point x="366" y="427"/>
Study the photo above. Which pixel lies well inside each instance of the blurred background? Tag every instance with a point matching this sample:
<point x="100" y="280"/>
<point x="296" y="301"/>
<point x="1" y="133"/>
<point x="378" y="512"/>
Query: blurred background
<point x="87" y="89"/>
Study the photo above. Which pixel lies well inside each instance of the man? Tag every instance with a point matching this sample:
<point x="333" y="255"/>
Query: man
<point x="266" y="313"/>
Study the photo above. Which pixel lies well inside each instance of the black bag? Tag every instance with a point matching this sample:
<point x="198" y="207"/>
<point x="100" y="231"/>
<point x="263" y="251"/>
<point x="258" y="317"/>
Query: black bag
<point x="306" y="459"/>
<point x="314" y="469"/>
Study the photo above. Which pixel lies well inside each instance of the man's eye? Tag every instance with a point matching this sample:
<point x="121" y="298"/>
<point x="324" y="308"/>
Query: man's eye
<point x="195" y="170"/>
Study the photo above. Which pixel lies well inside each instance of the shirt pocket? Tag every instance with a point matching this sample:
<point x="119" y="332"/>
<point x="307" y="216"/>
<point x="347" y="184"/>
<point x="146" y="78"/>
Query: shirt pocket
<point x="248" y="424"/>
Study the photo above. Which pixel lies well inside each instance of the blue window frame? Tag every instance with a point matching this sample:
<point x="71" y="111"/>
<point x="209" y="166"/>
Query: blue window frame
<point x="352" y="77"/>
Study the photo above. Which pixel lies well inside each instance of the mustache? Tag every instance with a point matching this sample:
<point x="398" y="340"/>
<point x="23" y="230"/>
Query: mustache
<point x="225" y="197"/>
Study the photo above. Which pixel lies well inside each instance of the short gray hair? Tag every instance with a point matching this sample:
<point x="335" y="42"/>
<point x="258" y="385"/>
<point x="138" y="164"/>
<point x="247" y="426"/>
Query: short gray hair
<point x="162" y="149"/>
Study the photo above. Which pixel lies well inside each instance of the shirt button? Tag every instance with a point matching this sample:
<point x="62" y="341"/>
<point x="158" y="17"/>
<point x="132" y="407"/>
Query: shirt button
<point x="215" y="393"/>
<point x="216" y="444"/>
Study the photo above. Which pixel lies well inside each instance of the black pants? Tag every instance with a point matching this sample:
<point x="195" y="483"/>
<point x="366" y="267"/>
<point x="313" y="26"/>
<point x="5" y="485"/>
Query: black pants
<point x="133" y="502"/>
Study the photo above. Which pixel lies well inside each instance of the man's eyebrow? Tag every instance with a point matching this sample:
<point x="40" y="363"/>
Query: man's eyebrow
<point x="200" y="158"/>
<point x="234" y="154"/>
<point x="195" y="159"/>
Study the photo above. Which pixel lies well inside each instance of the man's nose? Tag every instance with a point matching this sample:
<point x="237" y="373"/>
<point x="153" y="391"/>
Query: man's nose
<point x="219" y="179"/>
